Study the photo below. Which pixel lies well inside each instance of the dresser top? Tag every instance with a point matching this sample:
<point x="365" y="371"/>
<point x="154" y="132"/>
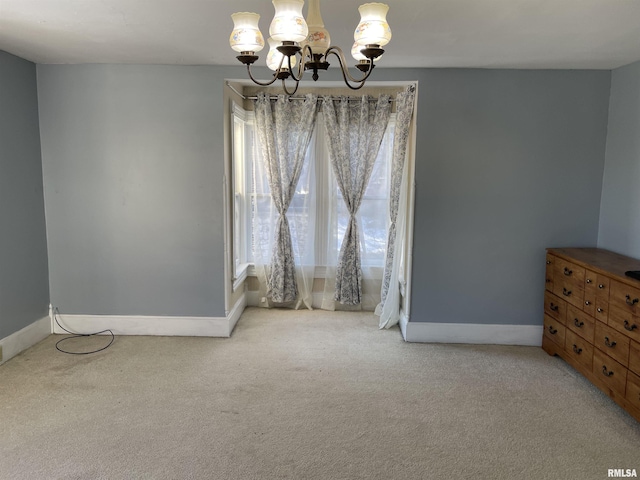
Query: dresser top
<point x="601" y="261"/>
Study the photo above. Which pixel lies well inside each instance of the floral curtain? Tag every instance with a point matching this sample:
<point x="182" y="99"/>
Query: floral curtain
<point x="284" y="131"/>
<point x="355" y="132"/>
<point x="389" y="307"/>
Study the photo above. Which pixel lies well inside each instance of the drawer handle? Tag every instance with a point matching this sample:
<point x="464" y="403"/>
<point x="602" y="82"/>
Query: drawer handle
<point x="554" y="308"/>
<point x="608" y="343"/>
<point x="601" y="286"/>
<point x="576" y="349"/>
<point x="548" y="262"/>
<point x="631" y="328"/>
<point x="578" y="323"/>
<point x="600" y="310"/>
<point x="588" y="280"/>
<point x="606" y="372"/>
<point x="548" y="280"/>
<point x="552" y="330"/>
<point x="631" y="302"/>
<point x="567" y="272"/>
<point x="587" y="303"/>
<point x="565" y="292"/>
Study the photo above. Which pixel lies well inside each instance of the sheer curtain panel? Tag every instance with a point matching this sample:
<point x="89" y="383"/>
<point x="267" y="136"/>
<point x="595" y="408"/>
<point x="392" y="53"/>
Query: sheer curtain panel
<point x="389" y="307"/>
<point x="355" y="131"/>
<point x="284" y="131"/>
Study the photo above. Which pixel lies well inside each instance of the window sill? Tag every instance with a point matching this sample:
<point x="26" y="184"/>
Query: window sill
<point x="320" y="272"/>
<point x="242" y="272"/>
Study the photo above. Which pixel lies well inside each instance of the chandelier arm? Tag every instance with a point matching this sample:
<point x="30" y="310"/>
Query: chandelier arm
<point x="306" y="52"/>
<point x="293" y="75"/>
<point x="301" y="63"/>
<point x="284" y="87"/>
<point x="337" y="51"/>
<point x="262" y="84"/>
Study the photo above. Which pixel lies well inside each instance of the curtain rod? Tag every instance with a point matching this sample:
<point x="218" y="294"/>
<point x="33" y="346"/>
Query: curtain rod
<point x="273" y="97"/>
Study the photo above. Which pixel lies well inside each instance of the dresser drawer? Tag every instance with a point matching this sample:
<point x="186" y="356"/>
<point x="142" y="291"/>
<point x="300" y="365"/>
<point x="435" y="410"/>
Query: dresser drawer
<point x="589" y="305"/>
<point x="602" y="310"/>
<point x="581" y="323"/>
<point x="598" y="284"/>
<point x="625" y="297"/>
<point x="548" y="274"/>
<point x="609" y="371"/>
<point x="615" y="344"/>
<point x="554" y="330"/>
<point x="633" y="389"/>
<point x="579" y="349"/>
<point x="555" y="307"/>
<point x="625" y="322"/>
<point x="569" y="270"/>
<point x="569" y="290"/>
<point x="603" y="287"/>
<point x="634" y="357"/>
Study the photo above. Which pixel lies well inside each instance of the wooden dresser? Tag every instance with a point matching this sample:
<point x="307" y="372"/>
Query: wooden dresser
<point x="592" y="319"/>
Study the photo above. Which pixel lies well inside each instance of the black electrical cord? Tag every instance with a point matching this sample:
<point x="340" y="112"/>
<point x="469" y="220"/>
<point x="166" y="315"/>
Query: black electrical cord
<point x="79" y="335"/>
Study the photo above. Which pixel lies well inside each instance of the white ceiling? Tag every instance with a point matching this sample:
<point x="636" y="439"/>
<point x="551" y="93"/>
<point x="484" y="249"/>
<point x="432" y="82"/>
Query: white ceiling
<point x="600" y="34"/>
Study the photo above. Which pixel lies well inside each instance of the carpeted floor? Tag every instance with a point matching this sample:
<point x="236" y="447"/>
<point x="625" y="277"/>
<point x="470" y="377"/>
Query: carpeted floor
<point x="305" y="395"/>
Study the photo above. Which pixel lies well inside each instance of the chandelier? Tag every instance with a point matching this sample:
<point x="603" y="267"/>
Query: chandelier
<point x="296" y="45"/>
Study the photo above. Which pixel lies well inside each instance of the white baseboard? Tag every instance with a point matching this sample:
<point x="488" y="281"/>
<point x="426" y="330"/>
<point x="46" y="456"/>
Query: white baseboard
<point x="236" y="312"/>
<point x="471" y="333"/>
<point x="25" y="338"/>
<point x="255" y="300"/>
<point x="153" y="325"/>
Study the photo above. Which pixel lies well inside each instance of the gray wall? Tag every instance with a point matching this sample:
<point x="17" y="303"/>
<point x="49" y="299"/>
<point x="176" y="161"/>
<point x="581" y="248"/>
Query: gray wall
<point x="133" y="172"/>
<point x="509" y="162"/>
<point x="24" y="287"/>
<point x="620" y="210"/>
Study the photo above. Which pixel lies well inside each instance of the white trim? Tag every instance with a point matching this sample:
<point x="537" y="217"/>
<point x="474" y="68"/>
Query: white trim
<point x="255" y="300"/>
<point x="25" y="338"/>
<point x="404" y="321"/>
<point x="320" y="272"/>
<point x="153" y="325"/>
<point x="241" y="273"/>
<point x="409" y="231"/>
<point x="236" y="312"/>
<point x="472" y="333"/>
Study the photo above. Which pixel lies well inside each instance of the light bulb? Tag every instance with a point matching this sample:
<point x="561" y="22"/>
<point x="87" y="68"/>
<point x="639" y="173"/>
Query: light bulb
<point x="274" y="56"/>
<point x="355" y="53"/>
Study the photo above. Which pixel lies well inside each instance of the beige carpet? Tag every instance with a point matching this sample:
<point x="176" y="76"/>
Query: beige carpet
<point x="305" y="395"/>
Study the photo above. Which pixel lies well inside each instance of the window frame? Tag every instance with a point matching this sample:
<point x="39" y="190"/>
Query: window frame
<point x="241" y="120"/>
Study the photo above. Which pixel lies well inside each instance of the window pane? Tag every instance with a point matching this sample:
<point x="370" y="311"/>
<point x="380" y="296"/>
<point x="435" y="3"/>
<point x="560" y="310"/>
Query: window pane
<point x="373" y="237"/>
<point x="374" y="210"/>
<point x="379" y="182"/>
<point x="309" y="200"/>
<point x="261" y="237"/>
<point x="260" y="182"/>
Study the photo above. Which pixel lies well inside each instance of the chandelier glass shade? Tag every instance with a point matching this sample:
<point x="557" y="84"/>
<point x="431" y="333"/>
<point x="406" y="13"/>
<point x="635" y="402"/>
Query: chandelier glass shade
<point x="307" y="43"/>
<point x="246" y="35"/>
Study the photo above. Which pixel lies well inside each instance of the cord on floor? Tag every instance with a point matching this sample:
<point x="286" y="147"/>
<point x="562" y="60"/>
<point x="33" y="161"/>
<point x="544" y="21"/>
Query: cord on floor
<point x="79" y="335"/>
